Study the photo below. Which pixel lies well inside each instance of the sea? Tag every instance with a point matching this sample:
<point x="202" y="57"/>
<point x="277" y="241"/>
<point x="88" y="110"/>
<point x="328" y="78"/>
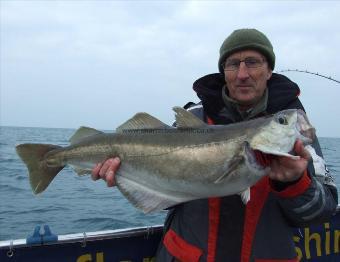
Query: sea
<point x="72" y="203"/>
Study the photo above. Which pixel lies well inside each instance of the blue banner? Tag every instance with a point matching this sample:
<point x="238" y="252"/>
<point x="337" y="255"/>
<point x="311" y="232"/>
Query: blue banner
<point x="319" y="242"/>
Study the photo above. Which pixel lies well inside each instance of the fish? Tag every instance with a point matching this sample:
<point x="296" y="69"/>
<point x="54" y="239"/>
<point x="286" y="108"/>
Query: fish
<point x="163" y="166"/>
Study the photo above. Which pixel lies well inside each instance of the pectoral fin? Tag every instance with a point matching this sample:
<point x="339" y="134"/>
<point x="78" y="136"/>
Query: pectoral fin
<point x="232" y="165"/>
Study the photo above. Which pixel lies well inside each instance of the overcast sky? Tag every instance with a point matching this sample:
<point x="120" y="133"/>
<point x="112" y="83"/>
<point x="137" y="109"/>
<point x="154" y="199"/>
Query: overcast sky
<point x="97" y="63"/>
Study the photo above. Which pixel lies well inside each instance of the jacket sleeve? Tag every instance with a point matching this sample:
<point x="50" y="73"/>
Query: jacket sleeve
<point x="314" y="197"/>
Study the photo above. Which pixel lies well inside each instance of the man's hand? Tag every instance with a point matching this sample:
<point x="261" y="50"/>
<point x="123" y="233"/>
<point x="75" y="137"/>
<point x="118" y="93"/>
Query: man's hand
<point x="285" y="169"/>
<point x="106" y="171"/>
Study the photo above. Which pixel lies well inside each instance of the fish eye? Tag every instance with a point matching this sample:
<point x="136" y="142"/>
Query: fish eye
<point x="282" y="120"/>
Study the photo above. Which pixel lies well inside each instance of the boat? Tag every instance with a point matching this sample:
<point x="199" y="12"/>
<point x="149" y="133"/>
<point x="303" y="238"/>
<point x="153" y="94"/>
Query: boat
<point x="131" y="244"/>
<point x="314" y="243"/>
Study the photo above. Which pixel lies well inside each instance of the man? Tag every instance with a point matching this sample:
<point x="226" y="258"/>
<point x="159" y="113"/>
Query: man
<point x="295" y="193"/>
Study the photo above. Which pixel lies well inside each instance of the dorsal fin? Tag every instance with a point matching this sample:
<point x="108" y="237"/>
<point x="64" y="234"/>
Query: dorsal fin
<point x="83" y="132"/>
<point x="142" y="121"/>
<point x="185" y="119"/>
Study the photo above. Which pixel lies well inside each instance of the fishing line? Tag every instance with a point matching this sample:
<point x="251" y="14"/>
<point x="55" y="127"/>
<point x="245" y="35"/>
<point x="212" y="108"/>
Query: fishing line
<point x="308" y="72"/>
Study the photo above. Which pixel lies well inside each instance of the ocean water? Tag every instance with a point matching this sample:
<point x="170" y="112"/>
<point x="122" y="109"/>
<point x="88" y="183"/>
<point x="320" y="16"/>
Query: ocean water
<point x="72" y="203"/>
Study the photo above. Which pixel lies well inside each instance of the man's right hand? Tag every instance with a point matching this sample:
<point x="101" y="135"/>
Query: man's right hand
<point x="106" y="171"/>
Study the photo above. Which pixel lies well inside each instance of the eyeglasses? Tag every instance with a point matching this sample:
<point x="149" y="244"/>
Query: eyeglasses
<point x="250" y="62"/>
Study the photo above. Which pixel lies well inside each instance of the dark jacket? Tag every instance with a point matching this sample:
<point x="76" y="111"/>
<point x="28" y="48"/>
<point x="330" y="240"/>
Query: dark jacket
<point x="224" y="229"/>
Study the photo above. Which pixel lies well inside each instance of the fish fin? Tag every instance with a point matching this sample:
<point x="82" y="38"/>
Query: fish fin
<point x="83" y="132"/>
<point x="185" y="119"/>
<point x="245" y="195"/>
<point x="232" y="166"/>
<point x="82" y="172"/>
<point x="142" y="121"/>
<point x="143" y="197"/>
<point x="40" y="175"/>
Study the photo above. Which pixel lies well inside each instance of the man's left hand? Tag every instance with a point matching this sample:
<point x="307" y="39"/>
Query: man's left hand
<point x="286" y="169"/>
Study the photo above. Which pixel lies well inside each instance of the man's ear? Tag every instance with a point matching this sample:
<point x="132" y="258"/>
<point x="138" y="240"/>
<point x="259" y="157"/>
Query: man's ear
<point x="269" y="75"/>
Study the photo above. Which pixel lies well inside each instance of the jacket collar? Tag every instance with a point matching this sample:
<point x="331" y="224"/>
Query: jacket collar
<point x="281" y="92"/>
<point x="238" y="115"/>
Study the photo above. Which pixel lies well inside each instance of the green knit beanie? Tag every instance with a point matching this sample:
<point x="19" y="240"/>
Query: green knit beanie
<point x="242" y="39"/>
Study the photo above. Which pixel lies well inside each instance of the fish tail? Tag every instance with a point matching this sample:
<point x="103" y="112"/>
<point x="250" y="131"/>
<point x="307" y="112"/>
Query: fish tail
<point x="40" y="174"/>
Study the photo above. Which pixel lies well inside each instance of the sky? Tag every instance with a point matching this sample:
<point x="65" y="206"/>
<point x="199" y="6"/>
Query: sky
<point x="78" y="63"/>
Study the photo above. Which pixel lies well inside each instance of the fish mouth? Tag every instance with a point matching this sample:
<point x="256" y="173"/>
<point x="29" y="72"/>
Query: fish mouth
<point x="305" y="130"/>
<point x="263" y="159"/>
<point x="257" y="158"/>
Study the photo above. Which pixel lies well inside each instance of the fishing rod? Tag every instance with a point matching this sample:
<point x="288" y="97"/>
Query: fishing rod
<point x="308" y="72"/>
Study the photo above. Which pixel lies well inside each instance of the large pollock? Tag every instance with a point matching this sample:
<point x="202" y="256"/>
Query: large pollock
<point x="162" y="166"/>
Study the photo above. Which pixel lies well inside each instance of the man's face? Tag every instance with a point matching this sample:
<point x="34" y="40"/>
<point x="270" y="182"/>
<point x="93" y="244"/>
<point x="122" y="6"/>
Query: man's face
<point x="246" y="85"/>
